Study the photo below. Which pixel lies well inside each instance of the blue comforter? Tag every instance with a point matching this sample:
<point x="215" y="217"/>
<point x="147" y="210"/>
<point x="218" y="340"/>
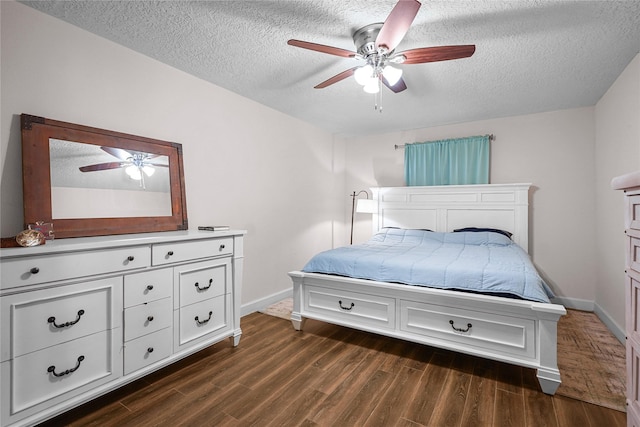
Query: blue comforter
<point x="484" y="262"/>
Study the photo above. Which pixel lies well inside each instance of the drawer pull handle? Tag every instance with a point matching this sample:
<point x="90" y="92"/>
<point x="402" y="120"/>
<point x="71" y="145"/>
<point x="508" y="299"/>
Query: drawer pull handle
<point x="52" y="319"/>
<point x="34" y="270"/>
<point x="52" y="369"/>
<point x="170" y="253"/>
<point x="150" y="350"/>
<point x="149" y="287"/>
<point x="346" y="308"/>
<point x="130" y="258"/>
<point x="206" y="287"/>
<point x="150" y="318"/>
<point x="222" y="246"/>
<point x="460" y="329"/>
<point x="204" y="321"/>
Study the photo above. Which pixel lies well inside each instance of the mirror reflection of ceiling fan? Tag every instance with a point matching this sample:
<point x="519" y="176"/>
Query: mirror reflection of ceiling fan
<point x="376" y="44"/>
<point x="137" y="164"/>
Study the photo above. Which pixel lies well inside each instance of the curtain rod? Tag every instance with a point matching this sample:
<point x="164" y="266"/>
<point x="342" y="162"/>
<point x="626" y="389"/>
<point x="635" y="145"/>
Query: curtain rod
<point x="491" y="138"/>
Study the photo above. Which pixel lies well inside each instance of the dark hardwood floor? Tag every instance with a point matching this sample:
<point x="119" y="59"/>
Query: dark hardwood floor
<point x="328" y="375"/>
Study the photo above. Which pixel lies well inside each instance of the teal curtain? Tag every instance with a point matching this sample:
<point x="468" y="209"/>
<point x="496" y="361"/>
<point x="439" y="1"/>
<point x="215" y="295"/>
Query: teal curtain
<point x="447" y="162"/>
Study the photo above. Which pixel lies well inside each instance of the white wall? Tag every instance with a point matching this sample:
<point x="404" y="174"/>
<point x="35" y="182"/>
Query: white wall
<point x="617" y="153"/>
<point x="554" y="151"/>
<point x="246" y="165"/>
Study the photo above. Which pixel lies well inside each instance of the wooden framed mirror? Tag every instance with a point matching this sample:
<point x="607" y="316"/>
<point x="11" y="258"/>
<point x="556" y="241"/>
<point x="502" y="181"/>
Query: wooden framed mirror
<point x="94" y="182"/>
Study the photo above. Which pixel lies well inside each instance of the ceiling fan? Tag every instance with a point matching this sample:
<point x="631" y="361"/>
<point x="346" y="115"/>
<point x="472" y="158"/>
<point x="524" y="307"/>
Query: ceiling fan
<point x="376" y="44"/>
<point x="136" y="163"/>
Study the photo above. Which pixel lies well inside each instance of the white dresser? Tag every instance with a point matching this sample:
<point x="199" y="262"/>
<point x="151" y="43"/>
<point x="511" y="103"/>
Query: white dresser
<point x="630" y="183"/>
<point x="81" y="317"/>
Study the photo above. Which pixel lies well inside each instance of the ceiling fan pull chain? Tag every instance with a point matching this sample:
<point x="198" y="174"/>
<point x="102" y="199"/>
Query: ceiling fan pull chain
<point x="377" y="98"/>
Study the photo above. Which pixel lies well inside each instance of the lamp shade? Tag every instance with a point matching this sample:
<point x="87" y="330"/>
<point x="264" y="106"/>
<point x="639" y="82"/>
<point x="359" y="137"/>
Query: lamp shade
<point x="392" y="74"/>
<point x="363" y="74"/>
<point x="134" y="172"/>
<point x="148" y="170"/>
<point x="372" y="86"/>
<point x="366" y="206"/>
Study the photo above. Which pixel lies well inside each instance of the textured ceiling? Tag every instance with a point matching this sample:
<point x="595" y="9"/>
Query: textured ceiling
<point x="531" y="56"/>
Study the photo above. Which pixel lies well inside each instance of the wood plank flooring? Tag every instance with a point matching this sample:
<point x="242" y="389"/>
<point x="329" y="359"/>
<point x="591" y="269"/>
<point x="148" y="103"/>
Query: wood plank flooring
<point x="328" y="375"/>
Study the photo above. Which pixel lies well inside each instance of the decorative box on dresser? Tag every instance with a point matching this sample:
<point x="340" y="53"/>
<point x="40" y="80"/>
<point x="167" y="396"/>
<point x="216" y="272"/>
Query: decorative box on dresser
<point x="81" y="317"/>
<point x="630" y="184"/>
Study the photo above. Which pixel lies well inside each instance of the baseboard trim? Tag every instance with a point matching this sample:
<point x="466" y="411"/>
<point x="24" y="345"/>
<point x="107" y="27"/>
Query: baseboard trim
<point x="262" y="303"/>
<point x="610" y="324"/>
<point x="575" y="303"/>
<point x="586" y="305"/>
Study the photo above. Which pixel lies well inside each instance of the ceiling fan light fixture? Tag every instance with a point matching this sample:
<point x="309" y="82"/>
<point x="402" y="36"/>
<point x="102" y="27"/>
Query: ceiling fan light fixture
<point x="392" y="74"/>
<point x="148" y="170"/>
<point x="134" y="172"/>
<point x="372" y="86"/>
<point x="363" y="74"/>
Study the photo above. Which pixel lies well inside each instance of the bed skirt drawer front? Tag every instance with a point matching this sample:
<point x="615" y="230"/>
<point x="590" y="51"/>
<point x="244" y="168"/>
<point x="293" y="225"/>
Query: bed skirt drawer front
<point x="147" y="318"/>
<point x="165" y="253"/>
<point x="203" y="318"/>
<point x="147" y="349"/>
<point x="17" y="272"/>
<point x="492" y="333"/>
<point x="40" y="319"/>
<point x="63" y="369"/>
<point x="372" y="310"/>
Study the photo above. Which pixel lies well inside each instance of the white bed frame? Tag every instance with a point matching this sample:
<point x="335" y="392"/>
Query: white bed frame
<point x="515" y="331"/>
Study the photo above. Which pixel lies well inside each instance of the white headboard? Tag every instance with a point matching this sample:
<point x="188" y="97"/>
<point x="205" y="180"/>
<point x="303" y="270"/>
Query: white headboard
<point x="445" y="208"/>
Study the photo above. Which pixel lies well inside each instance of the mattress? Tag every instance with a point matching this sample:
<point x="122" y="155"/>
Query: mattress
<point x="485" y="262"/>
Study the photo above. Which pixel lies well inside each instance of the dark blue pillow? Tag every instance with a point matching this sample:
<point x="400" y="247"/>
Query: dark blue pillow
<point x="421" y="229"/>
<point x="477" y="229"/>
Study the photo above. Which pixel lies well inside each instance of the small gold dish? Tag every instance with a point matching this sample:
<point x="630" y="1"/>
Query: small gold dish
<point x="28" y="238"/>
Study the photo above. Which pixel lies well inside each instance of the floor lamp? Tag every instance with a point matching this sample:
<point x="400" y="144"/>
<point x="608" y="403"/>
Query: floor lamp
<point x="361" y="206"/>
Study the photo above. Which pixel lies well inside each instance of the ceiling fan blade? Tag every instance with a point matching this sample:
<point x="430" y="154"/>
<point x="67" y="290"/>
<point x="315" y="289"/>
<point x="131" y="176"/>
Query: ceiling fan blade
<point x="398" y="87"/>
<point x="335" y="79"/>
<point x="102" y="166"/>
<point x="117" y="152"/>
<point x="438" y="53"/>
<point x="161" y="165"/>
<point x="397" y="24"/>
<point x="322" y="48"/>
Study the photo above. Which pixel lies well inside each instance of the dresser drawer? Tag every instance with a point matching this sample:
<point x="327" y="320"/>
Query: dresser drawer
<point x="632" y="299"/>
<point x="146" y="350"/>
<point x="463" y="328"/>
<point x="147" y="318"/>
<point x="39" y="319"/>
<point x="147" y="286"/>
<point x="633" y="375"/>
<point x="204" y="280"/>
<point x="46" y="374"/>
<point x="633" y="212"/>
<point x="16" y="272"/>
<point x="197" y="320"/>
<point x="369" y="310"/>
<point x="633" y="254"/>
<point x="165" y="253"/>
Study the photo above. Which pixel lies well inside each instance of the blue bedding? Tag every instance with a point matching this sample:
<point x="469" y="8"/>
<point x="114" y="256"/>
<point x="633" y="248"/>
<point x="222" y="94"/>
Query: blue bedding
<point x="484" y="262"/>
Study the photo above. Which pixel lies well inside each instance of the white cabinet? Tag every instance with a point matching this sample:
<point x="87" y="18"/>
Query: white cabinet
<point x="81" y="317"/>
<point x="631" y="185"/>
